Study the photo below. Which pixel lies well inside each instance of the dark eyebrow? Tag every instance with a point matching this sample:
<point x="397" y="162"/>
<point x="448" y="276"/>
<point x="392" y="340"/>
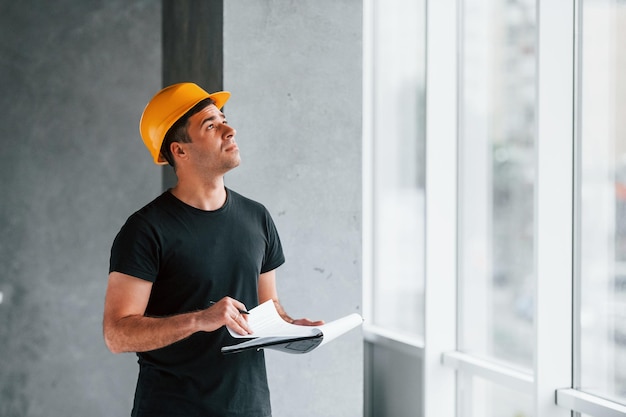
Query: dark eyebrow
<point x="210" y="119"/>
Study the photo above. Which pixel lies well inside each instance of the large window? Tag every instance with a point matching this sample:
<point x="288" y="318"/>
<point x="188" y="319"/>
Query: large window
<point x="601" y="279"/>
<point x="525" y="220"/>
<point x="497" y="180"/>
<point x="398" y="165"/>
<point x="497" y="198"/>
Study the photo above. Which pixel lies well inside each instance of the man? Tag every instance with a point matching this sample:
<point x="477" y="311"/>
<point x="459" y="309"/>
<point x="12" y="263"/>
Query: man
<point x="188" y="264"/>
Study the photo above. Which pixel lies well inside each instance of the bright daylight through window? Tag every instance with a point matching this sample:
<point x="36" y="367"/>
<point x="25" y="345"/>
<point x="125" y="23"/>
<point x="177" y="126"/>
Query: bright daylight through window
<point x="600" y="366"/>
<point x="398" y="162"/>
<point x="496" y="194"/>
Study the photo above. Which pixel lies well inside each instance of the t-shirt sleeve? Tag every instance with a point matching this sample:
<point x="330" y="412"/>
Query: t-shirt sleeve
<point x="135" y="250"/>
<point x="274" y="256"/>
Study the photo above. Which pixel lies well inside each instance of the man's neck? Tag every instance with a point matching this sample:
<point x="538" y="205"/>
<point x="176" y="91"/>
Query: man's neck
<point x="208" y="196"/>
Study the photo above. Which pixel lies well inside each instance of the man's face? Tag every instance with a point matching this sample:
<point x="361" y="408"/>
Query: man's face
<point x="213" y="145"/>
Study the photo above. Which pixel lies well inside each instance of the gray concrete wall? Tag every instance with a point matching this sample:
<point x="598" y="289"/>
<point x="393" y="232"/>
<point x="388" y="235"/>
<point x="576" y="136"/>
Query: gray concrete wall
<point x="294" y="68"/>
<point x="75" y="76"/>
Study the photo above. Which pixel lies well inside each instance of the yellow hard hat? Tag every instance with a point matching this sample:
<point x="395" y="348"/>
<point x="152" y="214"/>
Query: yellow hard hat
<point x="166" y="107"/>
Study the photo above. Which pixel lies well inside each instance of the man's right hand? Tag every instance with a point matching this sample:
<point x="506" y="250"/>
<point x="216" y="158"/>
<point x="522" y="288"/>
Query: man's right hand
<point x="226" y="312"/>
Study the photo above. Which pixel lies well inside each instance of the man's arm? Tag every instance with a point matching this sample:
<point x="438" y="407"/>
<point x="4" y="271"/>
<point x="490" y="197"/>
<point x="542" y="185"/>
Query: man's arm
<point x="127" y="329"/>
<point x="268" y="291"/>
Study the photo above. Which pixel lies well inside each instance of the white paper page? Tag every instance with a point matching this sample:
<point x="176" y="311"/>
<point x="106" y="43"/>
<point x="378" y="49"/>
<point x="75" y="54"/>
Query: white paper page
<point x="265" y="321"/>
<point x="336" y="328"/>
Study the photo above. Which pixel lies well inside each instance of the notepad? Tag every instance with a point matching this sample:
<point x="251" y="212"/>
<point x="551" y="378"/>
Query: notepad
<point x="270" y="331"/>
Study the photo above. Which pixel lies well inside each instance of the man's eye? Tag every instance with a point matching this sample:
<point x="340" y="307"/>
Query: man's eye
<point x="209" y="127"/>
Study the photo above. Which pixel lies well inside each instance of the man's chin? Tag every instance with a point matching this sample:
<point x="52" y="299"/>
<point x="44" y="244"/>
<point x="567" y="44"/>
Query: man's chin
<point x="234" y="163"/>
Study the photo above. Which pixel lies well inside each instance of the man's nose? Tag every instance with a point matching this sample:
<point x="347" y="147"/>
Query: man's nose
<point x="229" y="132"/>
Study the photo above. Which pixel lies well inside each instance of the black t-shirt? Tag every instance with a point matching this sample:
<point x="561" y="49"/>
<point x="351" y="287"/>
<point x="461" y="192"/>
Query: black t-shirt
<point x="194" y="257"/>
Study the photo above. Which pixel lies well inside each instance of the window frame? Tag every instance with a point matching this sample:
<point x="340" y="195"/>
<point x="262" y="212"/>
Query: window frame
<point x="551" y="382"/>
<point x="571" y="398"/>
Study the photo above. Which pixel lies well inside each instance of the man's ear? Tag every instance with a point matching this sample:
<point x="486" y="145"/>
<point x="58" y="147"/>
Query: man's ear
<point x="178" y="150"/>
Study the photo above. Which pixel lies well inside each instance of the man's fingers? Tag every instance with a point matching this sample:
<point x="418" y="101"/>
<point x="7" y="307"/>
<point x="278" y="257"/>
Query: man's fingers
<point x="307" y="322"/>
<point x="240" y="324"/>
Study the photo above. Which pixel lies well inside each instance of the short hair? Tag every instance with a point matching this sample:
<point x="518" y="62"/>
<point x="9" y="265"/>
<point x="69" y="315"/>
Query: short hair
<point x="178" y="131"/>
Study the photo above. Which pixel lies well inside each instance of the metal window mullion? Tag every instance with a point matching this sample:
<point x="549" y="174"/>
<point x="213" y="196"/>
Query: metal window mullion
<point x="368" y="161"/>
<point x="582" y="402"/>
<point x="407" y="344"/>
<point x="502" y="375"/>
<point x="554" y="202"/>
<point x="441" y="198"/>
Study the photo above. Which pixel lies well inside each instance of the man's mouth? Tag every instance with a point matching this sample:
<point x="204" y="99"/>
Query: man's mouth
<point x="231" y="147"/>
